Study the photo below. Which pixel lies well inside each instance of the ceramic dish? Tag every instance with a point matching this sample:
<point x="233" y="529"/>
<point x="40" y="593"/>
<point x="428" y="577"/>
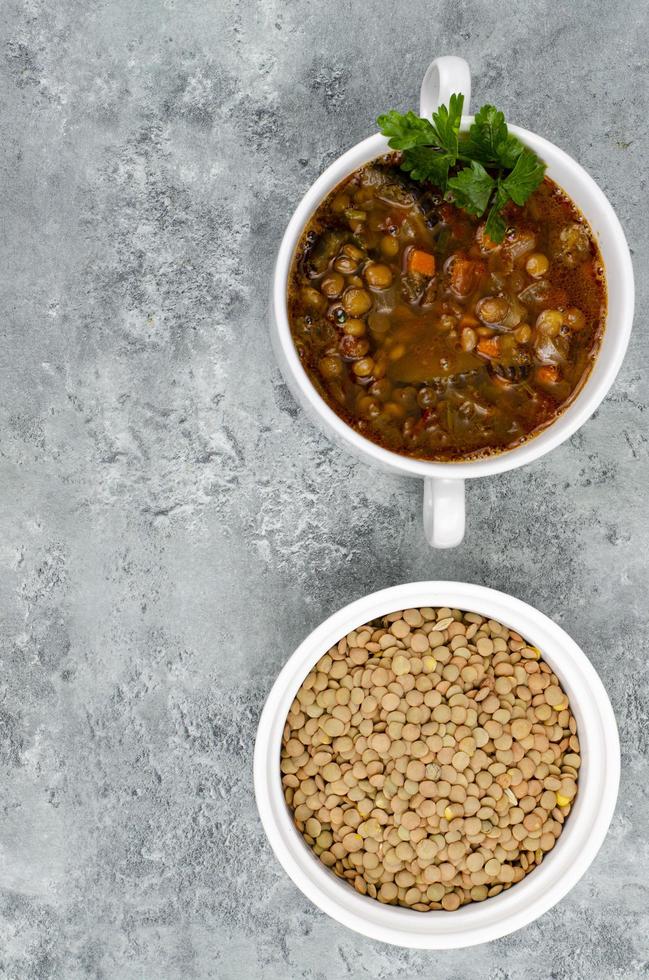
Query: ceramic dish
<point x="444" y="481"/>
<point x="579" y="842"/>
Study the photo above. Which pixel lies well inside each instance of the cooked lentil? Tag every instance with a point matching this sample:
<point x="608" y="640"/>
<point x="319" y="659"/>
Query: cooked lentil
<point x="425" y="786"/>
<point x="427" y="337"/>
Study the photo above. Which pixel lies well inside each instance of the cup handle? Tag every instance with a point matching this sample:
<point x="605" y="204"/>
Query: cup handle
<point x="443" y="512"/>
<point x="443" y="77"/>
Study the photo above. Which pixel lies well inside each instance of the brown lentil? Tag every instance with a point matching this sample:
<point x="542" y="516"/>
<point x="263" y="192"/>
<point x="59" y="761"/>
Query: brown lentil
<point x="430" y="781"/>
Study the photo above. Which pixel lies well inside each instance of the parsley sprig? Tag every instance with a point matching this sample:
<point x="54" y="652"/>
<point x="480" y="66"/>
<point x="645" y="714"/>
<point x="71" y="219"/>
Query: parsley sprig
<point x="498" y="167"/>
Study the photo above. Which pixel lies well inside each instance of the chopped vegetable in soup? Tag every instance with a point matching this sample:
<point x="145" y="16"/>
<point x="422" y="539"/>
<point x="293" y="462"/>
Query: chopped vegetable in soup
<point x="428" y="337"/>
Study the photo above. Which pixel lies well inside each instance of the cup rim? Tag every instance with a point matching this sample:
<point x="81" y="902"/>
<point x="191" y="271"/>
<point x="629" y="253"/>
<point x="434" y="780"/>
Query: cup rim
<point x="587" y="400"/>
<point x="561" y="868"/>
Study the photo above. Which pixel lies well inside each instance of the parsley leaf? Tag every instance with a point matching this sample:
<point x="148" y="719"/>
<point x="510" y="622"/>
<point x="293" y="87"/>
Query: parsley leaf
<point x="446" y="124"/>
<point x="490" y="141"/>
<point x="472" y="188"/>
<point x="406" y="131"/>
<point x="525" y="177"/>
<point x="421" y="141"/>
<point x="423" y="165"/>
<point x="495" y="226"/>
<point x="500" y="168"/>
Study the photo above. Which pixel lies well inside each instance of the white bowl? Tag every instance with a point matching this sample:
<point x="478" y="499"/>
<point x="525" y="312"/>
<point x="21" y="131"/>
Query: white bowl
<point x="562" y="867"/>
<point x="444" y="481"/>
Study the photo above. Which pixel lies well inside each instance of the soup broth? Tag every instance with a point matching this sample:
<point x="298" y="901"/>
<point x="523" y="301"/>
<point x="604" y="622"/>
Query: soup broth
<point x="427" y="337"/>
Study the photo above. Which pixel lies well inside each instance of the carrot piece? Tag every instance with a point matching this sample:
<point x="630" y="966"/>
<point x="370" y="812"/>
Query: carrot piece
<point x="489" y="346"/>
<point x="421" y="262"/>
<point x="548" y="374"/>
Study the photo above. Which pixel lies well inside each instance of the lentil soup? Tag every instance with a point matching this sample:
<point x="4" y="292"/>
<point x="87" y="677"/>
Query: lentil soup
<point x="427" y="337"/>
<point x="430" y="758"/>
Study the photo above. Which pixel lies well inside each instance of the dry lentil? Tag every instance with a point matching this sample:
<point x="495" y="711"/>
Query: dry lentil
<point x="430" y="781"/>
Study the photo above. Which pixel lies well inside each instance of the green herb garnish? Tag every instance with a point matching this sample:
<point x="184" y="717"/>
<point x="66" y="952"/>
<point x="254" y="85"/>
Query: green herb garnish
<point x="499" y="168"/>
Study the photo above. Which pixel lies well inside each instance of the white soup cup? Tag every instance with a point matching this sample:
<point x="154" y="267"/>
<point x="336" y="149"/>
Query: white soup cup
<point x="444" y="507"/>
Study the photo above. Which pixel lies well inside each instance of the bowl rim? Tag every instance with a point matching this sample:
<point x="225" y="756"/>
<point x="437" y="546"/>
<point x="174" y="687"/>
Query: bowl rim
<point x="594" y="389"/>
<point x="562" y="867"/>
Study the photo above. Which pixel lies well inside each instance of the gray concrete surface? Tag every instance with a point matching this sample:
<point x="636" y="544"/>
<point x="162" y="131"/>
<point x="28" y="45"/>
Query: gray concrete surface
<point x="171" y="525"/>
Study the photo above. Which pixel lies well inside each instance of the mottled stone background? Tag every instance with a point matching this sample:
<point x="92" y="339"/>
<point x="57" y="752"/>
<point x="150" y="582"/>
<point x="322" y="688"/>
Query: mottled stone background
<point x="171" y="526"/>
